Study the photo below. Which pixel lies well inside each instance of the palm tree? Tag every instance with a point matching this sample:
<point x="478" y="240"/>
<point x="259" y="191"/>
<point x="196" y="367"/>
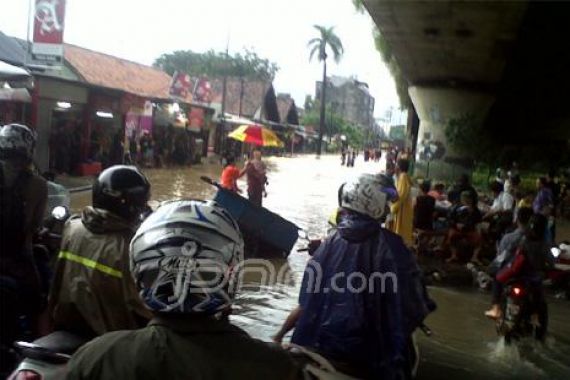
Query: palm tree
<point x="318" y="45"/>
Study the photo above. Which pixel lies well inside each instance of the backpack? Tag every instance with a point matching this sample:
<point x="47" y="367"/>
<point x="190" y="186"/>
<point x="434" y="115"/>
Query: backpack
<point x="12" y="218"/>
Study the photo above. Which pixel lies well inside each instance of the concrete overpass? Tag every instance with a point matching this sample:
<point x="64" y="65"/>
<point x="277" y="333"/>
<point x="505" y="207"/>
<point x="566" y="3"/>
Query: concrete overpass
<point x="505" y="62"/>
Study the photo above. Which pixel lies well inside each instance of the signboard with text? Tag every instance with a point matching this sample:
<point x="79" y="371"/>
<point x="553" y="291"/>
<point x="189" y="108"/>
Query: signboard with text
<point x="47" y="47"/>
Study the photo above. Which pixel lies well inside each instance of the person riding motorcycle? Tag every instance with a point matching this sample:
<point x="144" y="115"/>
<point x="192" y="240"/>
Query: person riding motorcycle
<point x="23" y="199"/>
<point x="93" y="291"/>
<point x="505" y="254"/>
<point x="185" y="259"/>
<point x="364" y="327"/>
<point x="532" y="258"/>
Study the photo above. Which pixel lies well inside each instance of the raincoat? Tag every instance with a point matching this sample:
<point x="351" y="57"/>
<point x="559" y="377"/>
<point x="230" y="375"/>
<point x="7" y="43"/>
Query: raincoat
<point x="93" y="291"/>
<point x="403" y="209"/>
<point x="184" y="347"/>
<point x="361" y="297"/>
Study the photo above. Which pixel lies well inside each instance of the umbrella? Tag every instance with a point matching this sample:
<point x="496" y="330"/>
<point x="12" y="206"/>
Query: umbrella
<point x="257" y="135"/>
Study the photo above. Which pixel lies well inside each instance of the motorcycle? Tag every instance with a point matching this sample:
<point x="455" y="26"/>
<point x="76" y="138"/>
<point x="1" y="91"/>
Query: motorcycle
<point x="524" y="312"/>
<point x="18" y="321"/>
<point x="558" y="279"/>
<point x="46" y="358"/>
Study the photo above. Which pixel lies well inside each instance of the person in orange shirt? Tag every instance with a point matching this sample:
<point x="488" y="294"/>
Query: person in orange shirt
<point x="230" y="175"/>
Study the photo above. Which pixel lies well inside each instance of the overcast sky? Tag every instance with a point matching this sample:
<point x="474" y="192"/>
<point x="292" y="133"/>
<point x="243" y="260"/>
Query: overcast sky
<point x="141" y="30"/>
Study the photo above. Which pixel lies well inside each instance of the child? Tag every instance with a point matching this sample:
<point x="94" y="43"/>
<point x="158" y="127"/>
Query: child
<point x="230" y="174"/>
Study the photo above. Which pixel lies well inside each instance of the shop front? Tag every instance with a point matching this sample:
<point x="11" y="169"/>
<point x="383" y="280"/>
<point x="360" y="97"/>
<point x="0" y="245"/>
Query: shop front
<point x="104" y="133"/>
<point x="59" y="117"/>
<point x="138" y="133"/>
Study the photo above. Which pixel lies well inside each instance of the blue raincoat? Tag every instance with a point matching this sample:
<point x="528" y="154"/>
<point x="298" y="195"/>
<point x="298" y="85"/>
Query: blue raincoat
<point x="365" y="319"/>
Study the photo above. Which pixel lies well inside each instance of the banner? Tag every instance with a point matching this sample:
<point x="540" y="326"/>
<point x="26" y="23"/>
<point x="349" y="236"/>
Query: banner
<point x="203" y="91"/>
<point x="180" y="86"/>
<point x="47" y="47"/>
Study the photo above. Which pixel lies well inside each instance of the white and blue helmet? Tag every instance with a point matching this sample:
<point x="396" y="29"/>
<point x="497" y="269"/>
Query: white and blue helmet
<point x="368" y="194"/>
<point x="185" y="258"/>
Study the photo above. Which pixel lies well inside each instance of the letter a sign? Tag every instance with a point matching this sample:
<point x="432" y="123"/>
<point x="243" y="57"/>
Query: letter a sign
<point x="49" y="16"/>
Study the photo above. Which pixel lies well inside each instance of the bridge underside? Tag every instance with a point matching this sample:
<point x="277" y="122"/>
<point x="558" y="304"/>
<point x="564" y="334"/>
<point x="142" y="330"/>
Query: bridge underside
<point x="508" y="63"/>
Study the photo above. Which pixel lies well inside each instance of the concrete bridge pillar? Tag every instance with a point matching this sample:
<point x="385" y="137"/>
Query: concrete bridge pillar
<point x="435" y="106"/>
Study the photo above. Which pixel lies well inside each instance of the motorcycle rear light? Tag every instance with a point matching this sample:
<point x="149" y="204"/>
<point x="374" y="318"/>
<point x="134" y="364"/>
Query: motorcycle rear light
<point x="27" y="374"/>
<point x="517" y="291"/>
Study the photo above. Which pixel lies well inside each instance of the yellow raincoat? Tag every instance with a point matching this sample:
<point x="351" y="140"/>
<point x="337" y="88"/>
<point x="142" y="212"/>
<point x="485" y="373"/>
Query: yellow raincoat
<point x="403" y="210"/>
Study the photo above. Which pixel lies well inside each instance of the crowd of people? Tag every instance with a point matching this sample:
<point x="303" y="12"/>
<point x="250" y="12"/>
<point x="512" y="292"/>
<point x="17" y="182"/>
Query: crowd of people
<point x="164" y="146"/>
<point x="132" y="278"/>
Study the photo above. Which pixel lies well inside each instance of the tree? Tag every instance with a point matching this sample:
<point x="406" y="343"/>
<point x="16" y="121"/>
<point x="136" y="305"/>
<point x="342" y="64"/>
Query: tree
<point x="386" y="54"/>
<point x="318" y="45"/>
<point x="217" y="64"/>
<point x="466" y="134"/>
<point x="335" y="125"/>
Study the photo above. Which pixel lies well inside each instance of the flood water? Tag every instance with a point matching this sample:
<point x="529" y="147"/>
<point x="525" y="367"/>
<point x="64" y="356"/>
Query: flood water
<point x="304" y="190"/>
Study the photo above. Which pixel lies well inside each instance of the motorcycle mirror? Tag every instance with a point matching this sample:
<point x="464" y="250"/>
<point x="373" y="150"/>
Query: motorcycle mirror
<point x="59" y="213"/>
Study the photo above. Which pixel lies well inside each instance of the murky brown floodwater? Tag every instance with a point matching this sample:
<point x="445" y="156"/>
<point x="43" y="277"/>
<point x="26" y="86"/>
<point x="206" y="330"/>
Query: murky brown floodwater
<point x="304" y="190"/>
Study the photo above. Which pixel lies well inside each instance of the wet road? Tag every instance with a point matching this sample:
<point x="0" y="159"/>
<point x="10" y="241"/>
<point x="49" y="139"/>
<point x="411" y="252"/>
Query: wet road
<point x="304" y="190"/>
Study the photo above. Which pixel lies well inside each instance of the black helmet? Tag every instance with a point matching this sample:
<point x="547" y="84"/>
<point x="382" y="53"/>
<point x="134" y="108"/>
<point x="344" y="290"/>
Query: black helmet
<point x="17" y="140"/>
<point x="122" y="190"/>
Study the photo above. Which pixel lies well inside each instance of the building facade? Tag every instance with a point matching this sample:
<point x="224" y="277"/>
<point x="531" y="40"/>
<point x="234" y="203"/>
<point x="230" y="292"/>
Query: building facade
<point x="350" y="99"/>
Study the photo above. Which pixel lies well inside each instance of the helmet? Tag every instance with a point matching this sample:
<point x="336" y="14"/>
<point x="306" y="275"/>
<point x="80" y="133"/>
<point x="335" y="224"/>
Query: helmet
<point x="185" y="258"/>
<point x="122" y="190"/>
<point x="17" y="140"/>
<point x="368" y="194"/>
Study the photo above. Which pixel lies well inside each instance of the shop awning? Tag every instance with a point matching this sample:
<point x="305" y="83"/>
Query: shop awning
<point x="8" y="71"/>
<point x="239" y="120"/>
<point x="302" y="131"/>
<point x="15" y="95"/>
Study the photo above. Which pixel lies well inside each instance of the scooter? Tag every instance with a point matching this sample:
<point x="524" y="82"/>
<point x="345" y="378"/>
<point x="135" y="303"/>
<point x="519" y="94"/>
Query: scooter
<point x="524" y="312"/>
<point x="46" y="358"/>
<point x="16" y="321"/>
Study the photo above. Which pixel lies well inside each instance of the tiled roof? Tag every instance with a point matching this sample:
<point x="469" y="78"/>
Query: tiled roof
<point x="112" y="72"/>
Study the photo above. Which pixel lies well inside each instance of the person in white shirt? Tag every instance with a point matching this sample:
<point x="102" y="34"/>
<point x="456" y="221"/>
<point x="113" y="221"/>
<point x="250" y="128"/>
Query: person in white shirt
<point x="503" y="202"/>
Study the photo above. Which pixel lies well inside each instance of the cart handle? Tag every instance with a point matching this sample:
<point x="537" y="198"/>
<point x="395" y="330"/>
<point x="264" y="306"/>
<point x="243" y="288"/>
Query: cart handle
<point x="210" y="181"/>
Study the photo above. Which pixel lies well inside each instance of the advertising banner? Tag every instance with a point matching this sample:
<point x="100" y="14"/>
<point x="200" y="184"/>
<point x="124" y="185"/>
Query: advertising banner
<point x="203" y="91"/>
<point x="180" y="86"/>
<point x="47" y="47"/>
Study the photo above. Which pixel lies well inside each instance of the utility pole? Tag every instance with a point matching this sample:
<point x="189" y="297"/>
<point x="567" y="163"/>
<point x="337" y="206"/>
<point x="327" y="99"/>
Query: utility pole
<point x="323" y="97"/>
<point x="224" y="91"/>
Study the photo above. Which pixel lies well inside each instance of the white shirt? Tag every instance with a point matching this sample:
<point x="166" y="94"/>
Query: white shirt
<point x="504" y="202"/>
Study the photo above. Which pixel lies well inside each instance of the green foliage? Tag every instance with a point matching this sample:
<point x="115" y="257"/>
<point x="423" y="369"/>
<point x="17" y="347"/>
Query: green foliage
<point x="359" y="5"/>
<point x="388" y="58"/>
<point x="327" y="40"/>
<point x="247" y="64"/>
<point x="309" y="103"/>
<point x="334" y="125"/>
<point x="466" y="134"/>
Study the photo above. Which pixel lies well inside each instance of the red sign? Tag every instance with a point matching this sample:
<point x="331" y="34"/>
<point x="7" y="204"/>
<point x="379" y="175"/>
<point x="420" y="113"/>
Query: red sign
<point x="49" y="16"/>
<point x="180" y="86"/>
<point x="48" y="21"/>
<point x="196" y="118"/>
<point x="203" y="91"/>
